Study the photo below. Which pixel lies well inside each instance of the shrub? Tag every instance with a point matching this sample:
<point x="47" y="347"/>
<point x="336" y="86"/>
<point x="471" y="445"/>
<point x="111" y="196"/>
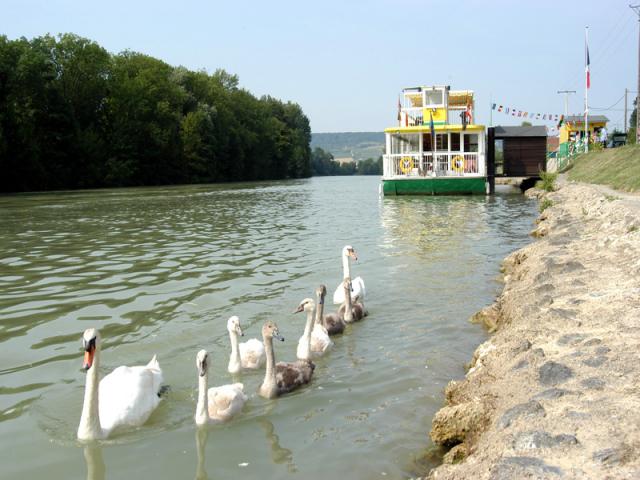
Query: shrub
<point x="547" y="181"/>
<point x="546" y="203"/>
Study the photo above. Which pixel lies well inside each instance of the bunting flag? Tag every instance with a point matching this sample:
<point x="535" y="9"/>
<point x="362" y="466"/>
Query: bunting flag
<point x="516" y="112"/>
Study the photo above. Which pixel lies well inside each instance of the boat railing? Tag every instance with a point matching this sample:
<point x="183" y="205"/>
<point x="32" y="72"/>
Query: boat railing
<point x="414" y="117"/>
<point x="450" y="164"/>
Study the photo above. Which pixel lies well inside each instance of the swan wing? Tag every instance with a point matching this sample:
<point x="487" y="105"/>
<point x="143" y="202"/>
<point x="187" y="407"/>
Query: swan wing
<point x="338" y="295"/>
<point x="358" y="290"/>
<point x="128" y="395"/>
<point x="320" y="341"/>
<point x="226" y="401"/>
<point x="291" y="375"/>
<point x="252" y="353"/>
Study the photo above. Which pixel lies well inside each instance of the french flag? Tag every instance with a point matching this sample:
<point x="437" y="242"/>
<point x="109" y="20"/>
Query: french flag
<point x="587" y="68"/>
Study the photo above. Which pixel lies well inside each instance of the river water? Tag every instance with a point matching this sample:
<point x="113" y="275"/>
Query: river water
<point x="160" y="270"/>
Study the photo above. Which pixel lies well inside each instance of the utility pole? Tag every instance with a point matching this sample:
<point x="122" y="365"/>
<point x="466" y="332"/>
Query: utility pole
<point x="636" y="8"/>
<point x="566" y="100"/>
<point x="626" y="91"/>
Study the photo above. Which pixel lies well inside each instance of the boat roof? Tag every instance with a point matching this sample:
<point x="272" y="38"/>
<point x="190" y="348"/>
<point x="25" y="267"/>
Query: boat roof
<point x="438" y="128"/>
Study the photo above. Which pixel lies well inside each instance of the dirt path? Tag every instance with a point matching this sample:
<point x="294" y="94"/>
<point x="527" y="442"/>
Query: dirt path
<point x="555" y="392"/>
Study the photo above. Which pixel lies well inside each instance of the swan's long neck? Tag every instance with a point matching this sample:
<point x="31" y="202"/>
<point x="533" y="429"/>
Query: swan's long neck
<point x="202" y="411"/>
<point x="348" y="308"/>
<point x="320" y="310"/>
<point x="234" y="359"/>
<point x="90" y="428"/>
<point x="269" y="387"/>
<point x="346" y="265"/>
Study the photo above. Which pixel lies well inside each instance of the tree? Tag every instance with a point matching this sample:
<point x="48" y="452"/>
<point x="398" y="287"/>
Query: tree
<point x="633" y="121"/>
<point x="74" y="116"/>
<point x="526" y="124"/>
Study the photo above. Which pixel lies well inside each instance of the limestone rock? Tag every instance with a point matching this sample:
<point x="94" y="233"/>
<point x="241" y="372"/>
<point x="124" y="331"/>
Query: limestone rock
<point x="553" y="373"/>
<point x="452" y="424"/>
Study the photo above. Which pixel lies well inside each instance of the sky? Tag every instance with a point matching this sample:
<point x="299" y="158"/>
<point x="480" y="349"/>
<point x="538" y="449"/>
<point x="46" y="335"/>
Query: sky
<point x="345" y="62"/>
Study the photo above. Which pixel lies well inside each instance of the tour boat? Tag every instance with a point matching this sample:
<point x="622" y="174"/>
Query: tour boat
<point x="436" y="149"/>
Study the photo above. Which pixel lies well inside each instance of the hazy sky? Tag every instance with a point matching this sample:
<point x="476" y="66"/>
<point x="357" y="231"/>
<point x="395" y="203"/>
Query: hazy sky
<point x="345" y="61"/>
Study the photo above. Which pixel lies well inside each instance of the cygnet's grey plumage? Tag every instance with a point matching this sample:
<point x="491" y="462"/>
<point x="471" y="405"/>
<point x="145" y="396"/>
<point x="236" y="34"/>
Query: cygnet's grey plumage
<point x="331" y="321"/>
<point x="281" y="377"/>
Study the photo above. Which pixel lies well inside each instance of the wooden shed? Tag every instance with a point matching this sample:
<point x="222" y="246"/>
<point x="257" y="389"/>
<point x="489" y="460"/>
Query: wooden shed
<point x="519" y="151"/>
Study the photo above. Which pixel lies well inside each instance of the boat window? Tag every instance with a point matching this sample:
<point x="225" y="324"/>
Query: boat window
<point x="471" y="142"/>
<point x="426" y="143"/>
<point x="433" y="98"/>
<point x="442" y="141"/>
<point x="405" y="143"/>
<point x="455" y="142"/>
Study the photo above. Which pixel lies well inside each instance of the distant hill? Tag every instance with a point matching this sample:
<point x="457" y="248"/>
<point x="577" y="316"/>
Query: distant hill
<point x="359" y="145"/>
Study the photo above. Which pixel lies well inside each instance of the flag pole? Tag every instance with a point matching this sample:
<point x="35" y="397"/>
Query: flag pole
<point x="586" y="89"/>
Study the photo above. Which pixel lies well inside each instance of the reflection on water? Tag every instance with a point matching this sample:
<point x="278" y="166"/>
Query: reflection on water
<point x="95" y="463"/>
<point x="202" y="434"/>
<point x="431" y="224"/>
<point x="279" y="454"/>
<point x="160" y="270"/>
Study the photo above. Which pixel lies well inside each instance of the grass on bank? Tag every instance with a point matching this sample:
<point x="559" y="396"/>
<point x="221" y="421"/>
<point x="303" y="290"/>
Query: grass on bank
<point x="547" y="181"/>
<point x="617" y="167"/>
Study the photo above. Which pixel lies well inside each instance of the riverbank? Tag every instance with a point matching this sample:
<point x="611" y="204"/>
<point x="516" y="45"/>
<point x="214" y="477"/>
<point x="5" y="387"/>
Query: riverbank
<point x="554" y="392"/>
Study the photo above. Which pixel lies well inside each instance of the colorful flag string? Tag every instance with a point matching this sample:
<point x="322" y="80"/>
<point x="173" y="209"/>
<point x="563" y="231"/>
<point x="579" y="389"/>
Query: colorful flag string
<point x="524" y="114"/>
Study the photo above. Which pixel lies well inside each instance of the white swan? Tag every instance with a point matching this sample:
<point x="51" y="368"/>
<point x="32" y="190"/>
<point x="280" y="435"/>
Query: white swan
<point x="216" y="404"/>
<point x="126" y="396"/>
<point x="281" y="377"/>
<point x="249" y="354"/>
<point x="315" y="340"/>
<point x="357" y="284"/>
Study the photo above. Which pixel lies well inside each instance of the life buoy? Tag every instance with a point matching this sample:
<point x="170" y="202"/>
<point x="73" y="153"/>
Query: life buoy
<point x="406" y="164"/>
<point x="457" y="163"/>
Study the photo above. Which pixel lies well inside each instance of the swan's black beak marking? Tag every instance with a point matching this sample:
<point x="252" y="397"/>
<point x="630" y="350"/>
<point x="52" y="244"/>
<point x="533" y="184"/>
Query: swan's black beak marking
<point x="87" y="346"/>
<point x="202" y="368"/>
<point x="299" y="309"/>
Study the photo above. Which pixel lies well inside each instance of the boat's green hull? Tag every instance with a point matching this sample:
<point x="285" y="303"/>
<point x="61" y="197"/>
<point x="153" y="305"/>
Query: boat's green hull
<point x="435" y="186"/>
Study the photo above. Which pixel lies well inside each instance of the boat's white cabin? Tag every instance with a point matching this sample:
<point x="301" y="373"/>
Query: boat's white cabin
<point x="436" y="135"/>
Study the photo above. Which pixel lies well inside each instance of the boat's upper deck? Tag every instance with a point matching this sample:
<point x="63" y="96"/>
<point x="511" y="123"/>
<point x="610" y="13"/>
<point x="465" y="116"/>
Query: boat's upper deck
<point x="439" y="105"/>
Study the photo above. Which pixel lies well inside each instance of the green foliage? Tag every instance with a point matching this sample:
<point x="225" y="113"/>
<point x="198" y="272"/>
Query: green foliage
<point x="526" y="124"/>
<point x="546" y="203"/>
<point x="74" y="116"/>
<point x="547" y="181"/>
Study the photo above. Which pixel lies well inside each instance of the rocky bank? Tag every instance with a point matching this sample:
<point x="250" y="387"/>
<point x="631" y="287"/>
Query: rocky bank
<point x="555" y="392"/>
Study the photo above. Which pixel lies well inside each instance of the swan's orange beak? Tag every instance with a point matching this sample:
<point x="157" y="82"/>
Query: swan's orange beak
<point x="88" y="358"/>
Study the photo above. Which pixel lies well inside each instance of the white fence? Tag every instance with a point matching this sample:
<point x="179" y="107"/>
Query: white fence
<point x="449" y="164"/>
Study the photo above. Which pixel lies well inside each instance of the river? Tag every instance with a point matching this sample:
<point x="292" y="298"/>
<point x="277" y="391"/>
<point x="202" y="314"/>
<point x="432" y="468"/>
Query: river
<point x="160" y="270"/>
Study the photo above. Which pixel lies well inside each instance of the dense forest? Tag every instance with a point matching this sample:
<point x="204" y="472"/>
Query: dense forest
<point x="72" y="115"/>
<point x="323" y="163"/>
